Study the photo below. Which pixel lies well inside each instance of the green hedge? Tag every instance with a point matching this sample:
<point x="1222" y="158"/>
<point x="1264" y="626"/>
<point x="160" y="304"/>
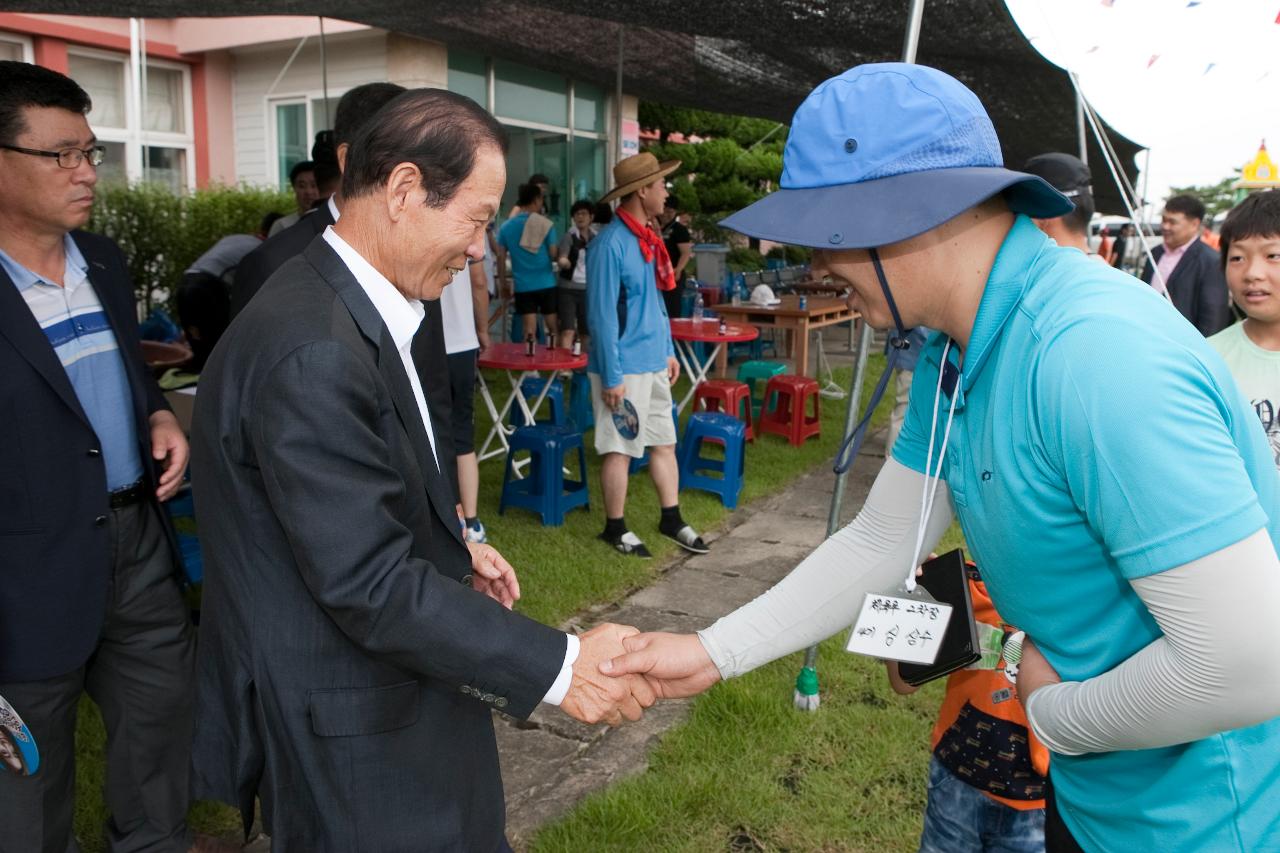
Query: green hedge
<point x="162" y="234"/>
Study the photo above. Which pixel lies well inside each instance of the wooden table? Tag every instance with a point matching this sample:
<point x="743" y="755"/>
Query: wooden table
<point x="820" y="288"/>
<point x="787" y="315"/>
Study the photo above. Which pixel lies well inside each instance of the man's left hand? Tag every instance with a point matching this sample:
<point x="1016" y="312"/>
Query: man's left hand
<point x="673" y="369"/>
<point x="168" y="445"/>
<point x="1034" y="672"/>
<point x="493" y="575"/>
<point x="482" y="336"/>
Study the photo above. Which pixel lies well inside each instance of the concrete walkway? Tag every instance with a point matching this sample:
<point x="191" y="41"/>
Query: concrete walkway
<point x="550" y="762"/>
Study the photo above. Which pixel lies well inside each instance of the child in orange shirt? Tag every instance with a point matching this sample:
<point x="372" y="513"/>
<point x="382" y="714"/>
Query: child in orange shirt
<point x="987" y="774"/>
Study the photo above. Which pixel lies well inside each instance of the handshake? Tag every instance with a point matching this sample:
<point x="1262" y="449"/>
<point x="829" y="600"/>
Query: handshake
<point x="620" y="672"/>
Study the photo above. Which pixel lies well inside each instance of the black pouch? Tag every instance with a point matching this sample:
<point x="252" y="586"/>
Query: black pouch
<point x="946" y="578"/>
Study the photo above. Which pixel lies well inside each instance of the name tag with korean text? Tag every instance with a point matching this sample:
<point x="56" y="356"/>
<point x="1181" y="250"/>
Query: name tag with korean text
<point x="899" y="627"/>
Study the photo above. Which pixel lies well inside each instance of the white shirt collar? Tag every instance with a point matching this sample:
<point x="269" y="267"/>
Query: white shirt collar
<point x="403" y="316"/>
<point x="333" y="208"/>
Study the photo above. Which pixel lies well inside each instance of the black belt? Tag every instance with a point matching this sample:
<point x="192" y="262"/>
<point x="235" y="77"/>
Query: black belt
<point x="129" y="495"/>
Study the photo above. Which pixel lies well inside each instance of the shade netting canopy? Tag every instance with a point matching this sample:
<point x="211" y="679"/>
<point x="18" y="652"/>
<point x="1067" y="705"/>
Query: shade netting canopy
<point x="749" y="57"/>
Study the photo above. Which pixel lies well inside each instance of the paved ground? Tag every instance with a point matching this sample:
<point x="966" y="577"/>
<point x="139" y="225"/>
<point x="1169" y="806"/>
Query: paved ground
<point x="551" y="762"/>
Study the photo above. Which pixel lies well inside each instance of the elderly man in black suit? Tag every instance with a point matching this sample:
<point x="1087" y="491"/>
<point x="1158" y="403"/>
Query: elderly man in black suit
<point x="1189" y="270"/>
<point x="89" y="592"/>
<point x="349" y="661"/>
<point x="354" y="109"/>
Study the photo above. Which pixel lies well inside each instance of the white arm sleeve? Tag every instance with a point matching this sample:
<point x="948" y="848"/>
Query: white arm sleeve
<point x="824" y="593"/>
<point x="1215" y="668"/>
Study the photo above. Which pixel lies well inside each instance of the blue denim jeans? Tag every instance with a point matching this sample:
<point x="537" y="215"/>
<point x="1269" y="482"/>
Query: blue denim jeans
<point x="961" y="819"/>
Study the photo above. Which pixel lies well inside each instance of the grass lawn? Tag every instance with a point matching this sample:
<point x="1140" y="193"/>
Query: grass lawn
<point x="747" y="772"/>
<point x="562" y="570"/>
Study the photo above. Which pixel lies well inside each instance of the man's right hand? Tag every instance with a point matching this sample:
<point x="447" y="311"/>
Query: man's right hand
<point x="614" y="396"/>
<point x="594" y="697"/>
<point x="674" y="665"/>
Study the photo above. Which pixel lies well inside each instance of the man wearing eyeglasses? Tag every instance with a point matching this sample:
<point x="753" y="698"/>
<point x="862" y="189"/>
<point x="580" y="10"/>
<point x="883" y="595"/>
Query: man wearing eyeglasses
<point x="89" y="595"/>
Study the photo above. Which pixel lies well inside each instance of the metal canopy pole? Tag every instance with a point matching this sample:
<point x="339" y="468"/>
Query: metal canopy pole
<point x="617" y="97"/>
<point x="1080" y="133"/>
<point x="806" y="693"/>
<point x="324" y="76"/>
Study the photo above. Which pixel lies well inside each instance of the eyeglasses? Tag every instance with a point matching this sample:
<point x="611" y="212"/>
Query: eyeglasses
<point x="68" y="158"/>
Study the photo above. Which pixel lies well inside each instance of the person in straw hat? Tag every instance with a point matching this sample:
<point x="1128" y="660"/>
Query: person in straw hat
<point x="1110" y="477"/>
<point x="632" y="359"/>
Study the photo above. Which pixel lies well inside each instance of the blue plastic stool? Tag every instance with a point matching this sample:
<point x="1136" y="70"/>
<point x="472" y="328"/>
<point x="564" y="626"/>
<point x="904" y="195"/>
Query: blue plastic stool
<point x="751" y="372"/>
<point x="531" y="388"/>
<point x="581" y="411"/>
<point x="545" y="490"/>
<point x="721" y="429"/>
<point x="642" y="462"/>
<point x="753" y="349"/>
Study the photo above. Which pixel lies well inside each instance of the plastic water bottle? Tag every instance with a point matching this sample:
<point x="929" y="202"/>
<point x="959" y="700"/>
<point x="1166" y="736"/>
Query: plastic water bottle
<point x="804" y="302"/>
<point x="698" y="308"/>
<point x="735" y="290"/>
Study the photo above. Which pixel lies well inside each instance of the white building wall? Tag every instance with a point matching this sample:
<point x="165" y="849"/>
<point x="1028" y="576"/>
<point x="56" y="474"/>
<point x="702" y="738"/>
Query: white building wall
<point x="353" y="59"/>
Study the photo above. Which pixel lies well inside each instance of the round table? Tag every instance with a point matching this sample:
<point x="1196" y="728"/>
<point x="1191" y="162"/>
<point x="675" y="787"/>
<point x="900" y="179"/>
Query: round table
<point x="686" y="332"/>
<point x="513" y="359"/>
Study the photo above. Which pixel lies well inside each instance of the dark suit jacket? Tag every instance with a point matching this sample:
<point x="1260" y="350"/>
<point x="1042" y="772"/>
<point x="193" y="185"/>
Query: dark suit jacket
<point x="346" y="669"/>
<point x="257" y="266"/>
<point x="429" y="352"/>
<point x="54" y="559"/>
<point x="1197" y="287"/>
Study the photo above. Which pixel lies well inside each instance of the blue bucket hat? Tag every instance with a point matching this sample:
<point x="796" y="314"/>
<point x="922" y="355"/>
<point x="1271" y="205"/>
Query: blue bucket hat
<point x="884" y="152"/>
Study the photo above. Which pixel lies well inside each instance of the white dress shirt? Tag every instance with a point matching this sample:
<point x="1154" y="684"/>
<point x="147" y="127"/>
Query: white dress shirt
<point x="402" y="317"/>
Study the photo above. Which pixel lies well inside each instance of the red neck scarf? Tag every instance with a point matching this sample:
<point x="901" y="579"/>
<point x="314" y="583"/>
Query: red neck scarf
<point x="653" y="249"/>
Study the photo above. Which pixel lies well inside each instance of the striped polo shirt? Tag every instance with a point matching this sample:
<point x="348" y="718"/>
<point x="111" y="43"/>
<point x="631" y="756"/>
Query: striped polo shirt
<point x="77" y="328"/>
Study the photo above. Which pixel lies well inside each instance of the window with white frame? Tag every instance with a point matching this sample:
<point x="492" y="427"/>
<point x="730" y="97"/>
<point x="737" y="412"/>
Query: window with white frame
<point x="295" y="121"/>
<point x="150" y="144"/>
<point x="15" y="48"/>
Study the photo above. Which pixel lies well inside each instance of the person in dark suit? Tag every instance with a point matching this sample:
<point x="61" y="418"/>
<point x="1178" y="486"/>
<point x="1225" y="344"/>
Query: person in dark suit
<point x="351" y="650"/>
<point x="90" y="597"/>
<point x="1190" y="272"/>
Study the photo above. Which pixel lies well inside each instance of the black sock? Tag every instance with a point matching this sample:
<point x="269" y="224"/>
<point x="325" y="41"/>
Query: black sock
<point x="472" y="521"/>
<point x="671" y="522"/>
<point x="615" y="527"/>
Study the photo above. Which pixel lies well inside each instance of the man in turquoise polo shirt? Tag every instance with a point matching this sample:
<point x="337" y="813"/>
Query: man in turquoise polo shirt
<point x="1109" y="477"/>
<point x="530" y="239"/>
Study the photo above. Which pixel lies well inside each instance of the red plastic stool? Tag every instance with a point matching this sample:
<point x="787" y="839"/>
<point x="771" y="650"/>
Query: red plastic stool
<point x="785" y="400"/>
<point x="728" y="396"/>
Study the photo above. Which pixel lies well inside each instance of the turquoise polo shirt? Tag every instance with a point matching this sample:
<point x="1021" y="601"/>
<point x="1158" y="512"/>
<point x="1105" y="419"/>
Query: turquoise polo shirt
<point x="530" y="270"/>
<point x="1098" y="438"/>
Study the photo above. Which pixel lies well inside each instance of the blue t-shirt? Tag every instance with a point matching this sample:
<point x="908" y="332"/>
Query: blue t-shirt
<point x="1097" y="439"/>
<point x="530" y="270"/>
<point x="615" y="264"/>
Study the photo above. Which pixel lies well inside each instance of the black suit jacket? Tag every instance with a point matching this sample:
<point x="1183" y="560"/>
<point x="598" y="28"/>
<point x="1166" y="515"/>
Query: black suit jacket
<point x="429" y="351"/>
<point x="346" y="669"/>
<point x="1197" y="287"/>
<point x="54" y="559"/>
<point x="257" y="266"/>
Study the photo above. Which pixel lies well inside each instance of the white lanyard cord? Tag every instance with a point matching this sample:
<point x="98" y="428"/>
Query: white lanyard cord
<point x="932" y="475"/>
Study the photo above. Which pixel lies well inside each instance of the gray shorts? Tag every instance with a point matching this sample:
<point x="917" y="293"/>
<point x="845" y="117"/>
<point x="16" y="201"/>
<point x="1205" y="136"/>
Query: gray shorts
<point x="650" y="393"/>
